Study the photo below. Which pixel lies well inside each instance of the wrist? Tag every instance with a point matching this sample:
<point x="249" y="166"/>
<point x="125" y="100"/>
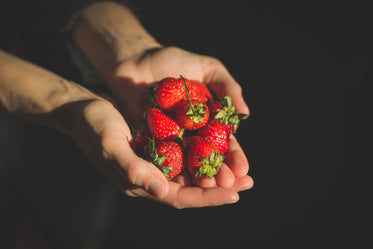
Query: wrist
<point x="38" y="95"/>
<point x="108" y="33"/>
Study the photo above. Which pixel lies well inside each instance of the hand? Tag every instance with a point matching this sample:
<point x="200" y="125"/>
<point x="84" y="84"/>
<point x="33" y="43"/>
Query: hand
<point x="127" y="85"/>
<point x="104" y="135"/>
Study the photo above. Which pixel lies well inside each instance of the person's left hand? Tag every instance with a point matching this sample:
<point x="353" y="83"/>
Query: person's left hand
<point x="133" y="75"/>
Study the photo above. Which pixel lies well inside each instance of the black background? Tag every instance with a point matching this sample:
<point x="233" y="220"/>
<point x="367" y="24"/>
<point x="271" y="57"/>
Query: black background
<point x="303" y="69"/>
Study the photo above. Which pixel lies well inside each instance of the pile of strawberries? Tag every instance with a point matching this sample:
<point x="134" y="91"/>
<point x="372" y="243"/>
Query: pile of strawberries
<point x="186" y="128"/>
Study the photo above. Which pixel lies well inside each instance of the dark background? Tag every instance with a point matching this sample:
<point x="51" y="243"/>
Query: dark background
<point x="304" y="72"/>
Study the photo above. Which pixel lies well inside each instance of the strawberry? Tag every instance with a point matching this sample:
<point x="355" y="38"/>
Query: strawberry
<point x="163" y="126"/>
<point x="198" y="90"/>
<point x="203" y="159"/>
<point x="168" y="156"/>
<point x="140" y="139"/>
<point x="169" y="92"/>
<point x="225" y="112"/>
<point x="216" y="133"/>
<point x="214" y="107"/>
<point x="191" y="114"/>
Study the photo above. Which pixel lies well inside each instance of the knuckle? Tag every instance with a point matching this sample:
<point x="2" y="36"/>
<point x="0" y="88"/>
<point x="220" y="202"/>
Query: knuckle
<point x="133" y="174"/>
<point x="137" y="174"/>
<point x="106" y="148"/>
<point x="214" y="62"/>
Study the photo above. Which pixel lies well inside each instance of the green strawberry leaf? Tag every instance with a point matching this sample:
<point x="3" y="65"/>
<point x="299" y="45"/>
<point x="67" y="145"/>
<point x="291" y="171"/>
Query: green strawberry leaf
<point x="160" y="160"/>
<point x="210" y="166"/>
<point x="166" y="171"/>
<point x="197" y="113"/>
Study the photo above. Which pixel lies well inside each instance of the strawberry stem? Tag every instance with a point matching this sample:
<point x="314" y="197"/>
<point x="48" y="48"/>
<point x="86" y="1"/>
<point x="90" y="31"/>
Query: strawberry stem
<point x="187" y="94"/>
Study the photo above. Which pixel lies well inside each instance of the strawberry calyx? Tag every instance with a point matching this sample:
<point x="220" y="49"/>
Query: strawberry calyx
<point x="235" y="119"/>
<point x="210" y="166"/>
<point x="158" y="160"/>
<point x="227" y="114"/>
<point x="197" y="113"/>
<point x="226" y="111"/>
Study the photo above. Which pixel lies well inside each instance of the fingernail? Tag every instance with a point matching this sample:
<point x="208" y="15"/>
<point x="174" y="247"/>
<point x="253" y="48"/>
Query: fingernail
<point x="156" y="187"/>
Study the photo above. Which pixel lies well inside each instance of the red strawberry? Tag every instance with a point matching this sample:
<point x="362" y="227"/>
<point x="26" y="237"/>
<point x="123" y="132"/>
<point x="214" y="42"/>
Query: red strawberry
<point x="192" y="115"/>
<point x="225" y="112"/>
<point x="140" y="139"/>
<point x="167" y="156"/>
<point x="169" y="92"/>
<point x="216" y="133"/>
<point x="198" y="90"/>
<point x="163" y="126"/>
<point x="214" y="107"/>
<point x="203" y="159"/>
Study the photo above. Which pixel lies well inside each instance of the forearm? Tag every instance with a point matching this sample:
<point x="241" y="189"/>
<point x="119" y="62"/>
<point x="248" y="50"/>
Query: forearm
<point x="109" y="33"/>
<point x="33" y="93"/>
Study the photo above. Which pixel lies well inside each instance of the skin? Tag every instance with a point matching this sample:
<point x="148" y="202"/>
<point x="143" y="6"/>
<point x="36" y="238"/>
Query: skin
<point x="128" y="58"/>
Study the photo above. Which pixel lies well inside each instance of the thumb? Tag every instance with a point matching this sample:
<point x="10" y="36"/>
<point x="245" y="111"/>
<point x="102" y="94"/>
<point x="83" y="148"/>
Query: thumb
<point x="140" y="173"/>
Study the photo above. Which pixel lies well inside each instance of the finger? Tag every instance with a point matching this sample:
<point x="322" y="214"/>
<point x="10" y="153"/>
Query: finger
<point x="243" y="183"/>
<point x="235" y="158"/>
<point x="185" y="197"/>
<point x="183" y="179"/>
<point x="191" y="197"/>
<point x="222" y="84"/>
<point x="225" y="177"/>
<point x="204" y="182"/>
<point x="134" y="169"/>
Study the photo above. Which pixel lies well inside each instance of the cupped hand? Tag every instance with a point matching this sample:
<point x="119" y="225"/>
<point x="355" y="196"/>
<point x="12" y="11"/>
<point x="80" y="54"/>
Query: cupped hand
<point x="128" y="84"/>
<point x="100" y="130"/>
